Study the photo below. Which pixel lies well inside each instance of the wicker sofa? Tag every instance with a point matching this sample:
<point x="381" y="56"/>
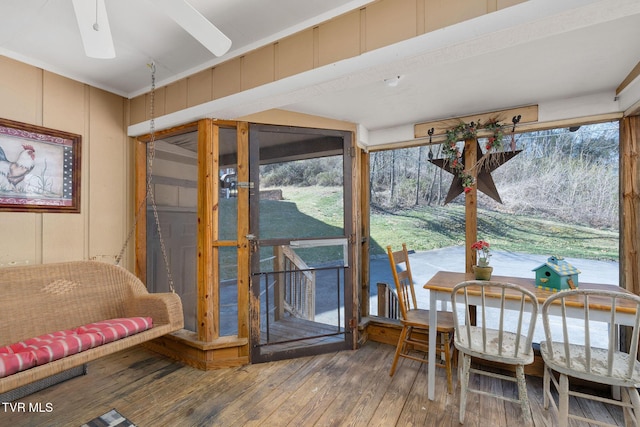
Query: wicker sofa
<point x="45" y="298"/>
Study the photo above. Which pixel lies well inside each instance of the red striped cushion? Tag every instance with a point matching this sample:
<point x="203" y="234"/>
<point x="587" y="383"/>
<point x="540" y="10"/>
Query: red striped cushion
<point x="36" y="341"/>
<point x="60" y="347"/>
<point x="114" y="329"/>
<point x="49" y="347"/>
<point x="11" y="363"/>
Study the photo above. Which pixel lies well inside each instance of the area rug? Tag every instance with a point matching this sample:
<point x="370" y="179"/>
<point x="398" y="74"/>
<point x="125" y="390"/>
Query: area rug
<point x="111" y="419"/>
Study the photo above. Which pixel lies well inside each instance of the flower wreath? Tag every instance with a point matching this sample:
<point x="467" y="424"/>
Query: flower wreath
<point x="464" y="131"/>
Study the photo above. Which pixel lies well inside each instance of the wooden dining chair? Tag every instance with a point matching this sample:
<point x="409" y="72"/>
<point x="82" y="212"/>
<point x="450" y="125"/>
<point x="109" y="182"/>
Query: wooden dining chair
<point x="574" y="351"/>
<point x="415" y="321"/>
<point x="502" y="333"/>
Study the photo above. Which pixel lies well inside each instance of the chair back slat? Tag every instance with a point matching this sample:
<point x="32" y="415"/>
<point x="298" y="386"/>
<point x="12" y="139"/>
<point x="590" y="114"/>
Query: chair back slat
<point x="565" y="334"/>
<point x="404" y="292"/>
<point x="594" y="359"/>
<point x="467" y="316"/>
<point x="496" y="304"/>
<point x="587" y="331"/>
<point x="403" y="280"/>
<point x="612" y="337"/>
<point x="520" y="322"/>
<point x="501" y="324"/>
<point x="484" y="321"/>
<point x="633" y="354"/>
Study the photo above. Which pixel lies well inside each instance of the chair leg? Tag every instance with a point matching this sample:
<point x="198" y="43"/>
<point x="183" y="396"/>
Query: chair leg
<point x="399" y="350"/>
<point x="546" y="387"/>
<point x="447" y="362"/>
<point x="455" y="357"/>
<point x="563" y="405"/>
<point x="464" y="383"/>
<point x="459" y="364"/>
<point x="635" y="401"/>
<point x="626" y="411"/>
<point x="522" y="394"/>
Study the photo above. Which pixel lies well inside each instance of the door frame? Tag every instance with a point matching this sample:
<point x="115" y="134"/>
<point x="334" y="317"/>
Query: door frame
<point x="349" y="283"/>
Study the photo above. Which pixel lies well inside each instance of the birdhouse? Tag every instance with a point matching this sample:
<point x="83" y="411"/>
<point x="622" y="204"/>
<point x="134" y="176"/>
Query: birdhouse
<point x="556" y="275"/>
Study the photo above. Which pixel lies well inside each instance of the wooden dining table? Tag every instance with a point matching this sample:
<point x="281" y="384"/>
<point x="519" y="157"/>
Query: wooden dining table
<point x="441" y="285"/>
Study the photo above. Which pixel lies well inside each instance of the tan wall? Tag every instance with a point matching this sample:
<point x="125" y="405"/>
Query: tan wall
<point x="31" y="95"/>
<point x="380" y="23"/>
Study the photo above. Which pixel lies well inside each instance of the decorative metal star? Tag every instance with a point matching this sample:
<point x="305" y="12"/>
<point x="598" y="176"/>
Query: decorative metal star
<point x="484" y="179"/>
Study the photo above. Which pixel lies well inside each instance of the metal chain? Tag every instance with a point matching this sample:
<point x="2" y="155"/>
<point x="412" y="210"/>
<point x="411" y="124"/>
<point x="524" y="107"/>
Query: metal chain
<point x="131" y="231"/>
<point x="149" y="195"/>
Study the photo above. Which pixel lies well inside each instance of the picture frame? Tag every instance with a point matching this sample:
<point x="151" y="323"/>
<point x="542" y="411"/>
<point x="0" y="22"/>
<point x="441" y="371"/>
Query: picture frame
<point x="39" y="169"/>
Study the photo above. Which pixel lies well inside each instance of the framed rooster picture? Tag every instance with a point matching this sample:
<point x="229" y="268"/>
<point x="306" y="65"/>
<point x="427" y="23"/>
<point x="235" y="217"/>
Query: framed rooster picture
<point x="39" y="169"/>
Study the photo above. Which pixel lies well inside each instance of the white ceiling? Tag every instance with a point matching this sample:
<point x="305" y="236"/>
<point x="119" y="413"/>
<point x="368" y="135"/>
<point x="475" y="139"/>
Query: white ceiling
<point x="45" y="33"/>
<point x="566" y="56"/>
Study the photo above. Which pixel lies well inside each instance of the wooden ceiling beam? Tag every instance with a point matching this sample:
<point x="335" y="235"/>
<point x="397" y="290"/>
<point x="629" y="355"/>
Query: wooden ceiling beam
<point x="634" y="74"/>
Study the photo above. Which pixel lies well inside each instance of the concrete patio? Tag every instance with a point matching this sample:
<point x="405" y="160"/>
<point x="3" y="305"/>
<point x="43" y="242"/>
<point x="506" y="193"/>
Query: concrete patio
<point x="425" y="264"/>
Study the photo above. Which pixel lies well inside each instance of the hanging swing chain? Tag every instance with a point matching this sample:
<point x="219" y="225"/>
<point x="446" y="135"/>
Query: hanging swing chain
<point x="149" y="194"/>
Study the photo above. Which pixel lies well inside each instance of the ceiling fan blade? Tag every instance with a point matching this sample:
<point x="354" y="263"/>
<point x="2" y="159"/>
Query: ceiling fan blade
<point x="196" y="24"/>
<point x="94" y="28"/>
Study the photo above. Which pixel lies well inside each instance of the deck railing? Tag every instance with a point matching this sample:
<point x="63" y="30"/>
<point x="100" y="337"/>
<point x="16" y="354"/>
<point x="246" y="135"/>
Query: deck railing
<point x="388" y="305"/>
<point x="296" y="285"/>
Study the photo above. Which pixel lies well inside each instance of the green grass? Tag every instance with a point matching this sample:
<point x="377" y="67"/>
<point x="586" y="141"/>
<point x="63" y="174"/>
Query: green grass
<point x="441" y="226"/>
<point x="306" y="216"/>
<point x="432" y="227"/>
<point x="306" y="212"/>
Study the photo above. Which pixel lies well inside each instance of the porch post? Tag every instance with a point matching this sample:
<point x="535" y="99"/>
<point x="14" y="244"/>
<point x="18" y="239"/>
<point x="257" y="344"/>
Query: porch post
<point x="630" y="204"/>
<point x="471" y="203"/>
<point x="208" y="298"/>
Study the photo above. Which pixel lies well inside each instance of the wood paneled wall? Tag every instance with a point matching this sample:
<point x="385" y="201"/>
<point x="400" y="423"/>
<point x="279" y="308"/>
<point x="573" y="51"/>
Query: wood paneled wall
<point x="380" y="23"/>
<point x="31" y="95"/>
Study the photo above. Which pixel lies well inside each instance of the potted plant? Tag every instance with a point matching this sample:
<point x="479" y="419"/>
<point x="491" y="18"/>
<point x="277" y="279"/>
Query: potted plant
<point x="482" y="269"/>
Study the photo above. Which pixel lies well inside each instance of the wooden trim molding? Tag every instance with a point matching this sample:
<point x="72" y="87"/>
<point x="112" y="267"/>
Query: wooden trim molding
<point x="527" y="114"/>
<point x="244" y="271"/>
<point x="140" y="212"/>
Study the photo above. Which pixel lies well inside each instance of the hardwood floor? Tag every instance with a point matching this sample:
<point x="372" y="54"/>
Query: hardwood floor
<point x="349" y="388"/>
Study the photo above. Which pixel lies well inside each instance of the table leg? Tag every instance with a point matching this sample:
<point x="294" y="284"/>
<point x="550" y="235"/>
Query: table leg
<point x="433" y="321"/>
